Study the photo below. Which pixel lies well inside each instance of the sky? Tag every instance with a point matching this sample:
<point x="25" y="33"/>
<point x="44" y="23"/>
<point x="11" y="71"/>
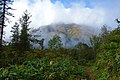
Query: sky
<point x="92" y="13"/>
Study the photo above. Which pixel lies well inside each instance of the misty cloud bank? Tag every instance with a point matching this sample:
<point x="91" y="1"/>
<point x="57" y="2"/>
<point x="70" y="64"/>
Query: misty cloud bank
<point x="70" y="34"/>
<point x="44" y="12"/>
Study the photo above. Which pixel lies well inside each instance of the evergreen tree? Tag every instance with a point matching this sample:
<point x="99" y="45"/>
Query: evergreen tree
<point x="55" y="42"/>
<point x="4" y="7"/>
<point x="40" y="42"/>
<point x="94" y="42"/>
<point x="35" y="38"/>
<point x="24" y="35"/>
<point x="104" y="34"/>
<point x="15" y="35"/>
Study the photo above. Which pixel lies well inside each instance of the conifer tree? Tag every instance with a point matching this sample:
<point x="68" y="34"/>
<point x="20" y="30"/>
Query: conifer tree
<point x="4" y="7"/>
<point x="55" y="42"/>
<point x="24" y="35"/>
<point x="35" y="38"/>
<point x="15" y="35"/>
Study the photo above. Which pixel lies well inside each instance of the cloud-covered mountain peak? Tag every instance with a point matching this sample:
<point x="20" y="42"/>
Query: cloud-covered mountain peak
<point x="70" y="34"/>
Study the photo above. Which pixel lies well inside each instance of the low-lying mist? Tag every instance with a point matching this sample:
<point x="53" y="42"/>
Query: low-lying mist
<point x="70" y="34"/>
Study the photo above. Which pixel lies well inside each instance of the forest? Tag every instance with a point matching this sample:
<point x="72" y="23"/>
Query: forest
<point x="21" y="60"/>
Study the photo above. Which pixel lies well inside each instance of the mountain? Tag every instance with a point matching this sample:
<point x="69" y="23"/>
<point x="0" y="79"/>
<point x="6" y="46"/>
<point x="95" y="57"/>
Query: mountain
<point x="70" y="34"/>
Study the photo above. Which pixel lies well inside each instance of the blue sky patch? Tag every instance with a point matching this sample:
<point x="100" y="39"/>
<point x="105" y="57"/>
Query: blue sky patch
<point x="68" y="3"/>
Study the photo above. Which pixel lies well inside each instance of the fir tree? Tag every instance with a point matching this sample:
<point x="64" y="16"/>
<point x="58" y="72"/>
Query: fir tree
<point x="24" y="35"/>
<point x="4" y="7"/>
<point x="55" y="43"/>
<point x="15" y="35"/>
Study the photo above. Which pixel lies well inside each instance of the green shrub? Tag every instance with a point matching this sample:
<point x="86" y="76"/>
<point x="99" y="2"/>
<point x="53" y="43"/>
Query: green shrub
<point x="43" y="69"/>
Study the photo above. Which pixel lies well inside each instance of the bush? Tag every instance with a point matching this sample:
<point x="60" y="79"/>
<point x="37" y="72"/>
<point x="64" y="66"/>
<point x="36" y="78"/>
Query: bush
<point x="43" y="69"/>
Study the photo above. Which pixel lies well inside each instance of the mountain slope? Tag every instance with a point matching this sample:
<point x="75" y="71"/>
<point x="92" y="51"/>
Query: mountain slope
<point x="70" y="34"/>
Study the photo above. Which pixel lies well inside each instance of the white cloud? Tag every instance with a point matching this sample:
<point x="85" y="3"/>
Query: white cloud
<point x="44" y="12"/>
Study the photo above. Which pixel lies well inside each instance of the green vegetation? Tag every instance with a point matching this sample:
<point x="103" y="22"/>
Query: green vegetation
<point x="45" y="68"/>
<point x="107" y="65"/>
<point x="24" y="36"/>
<point x="98" y="61"/>
<point x="4" y="13"/>
<point x="55" y="43"/>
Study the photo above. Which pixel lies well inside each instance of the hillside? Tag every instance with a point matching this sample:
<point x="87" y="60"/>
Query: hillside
<point x="70" y="34"/>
